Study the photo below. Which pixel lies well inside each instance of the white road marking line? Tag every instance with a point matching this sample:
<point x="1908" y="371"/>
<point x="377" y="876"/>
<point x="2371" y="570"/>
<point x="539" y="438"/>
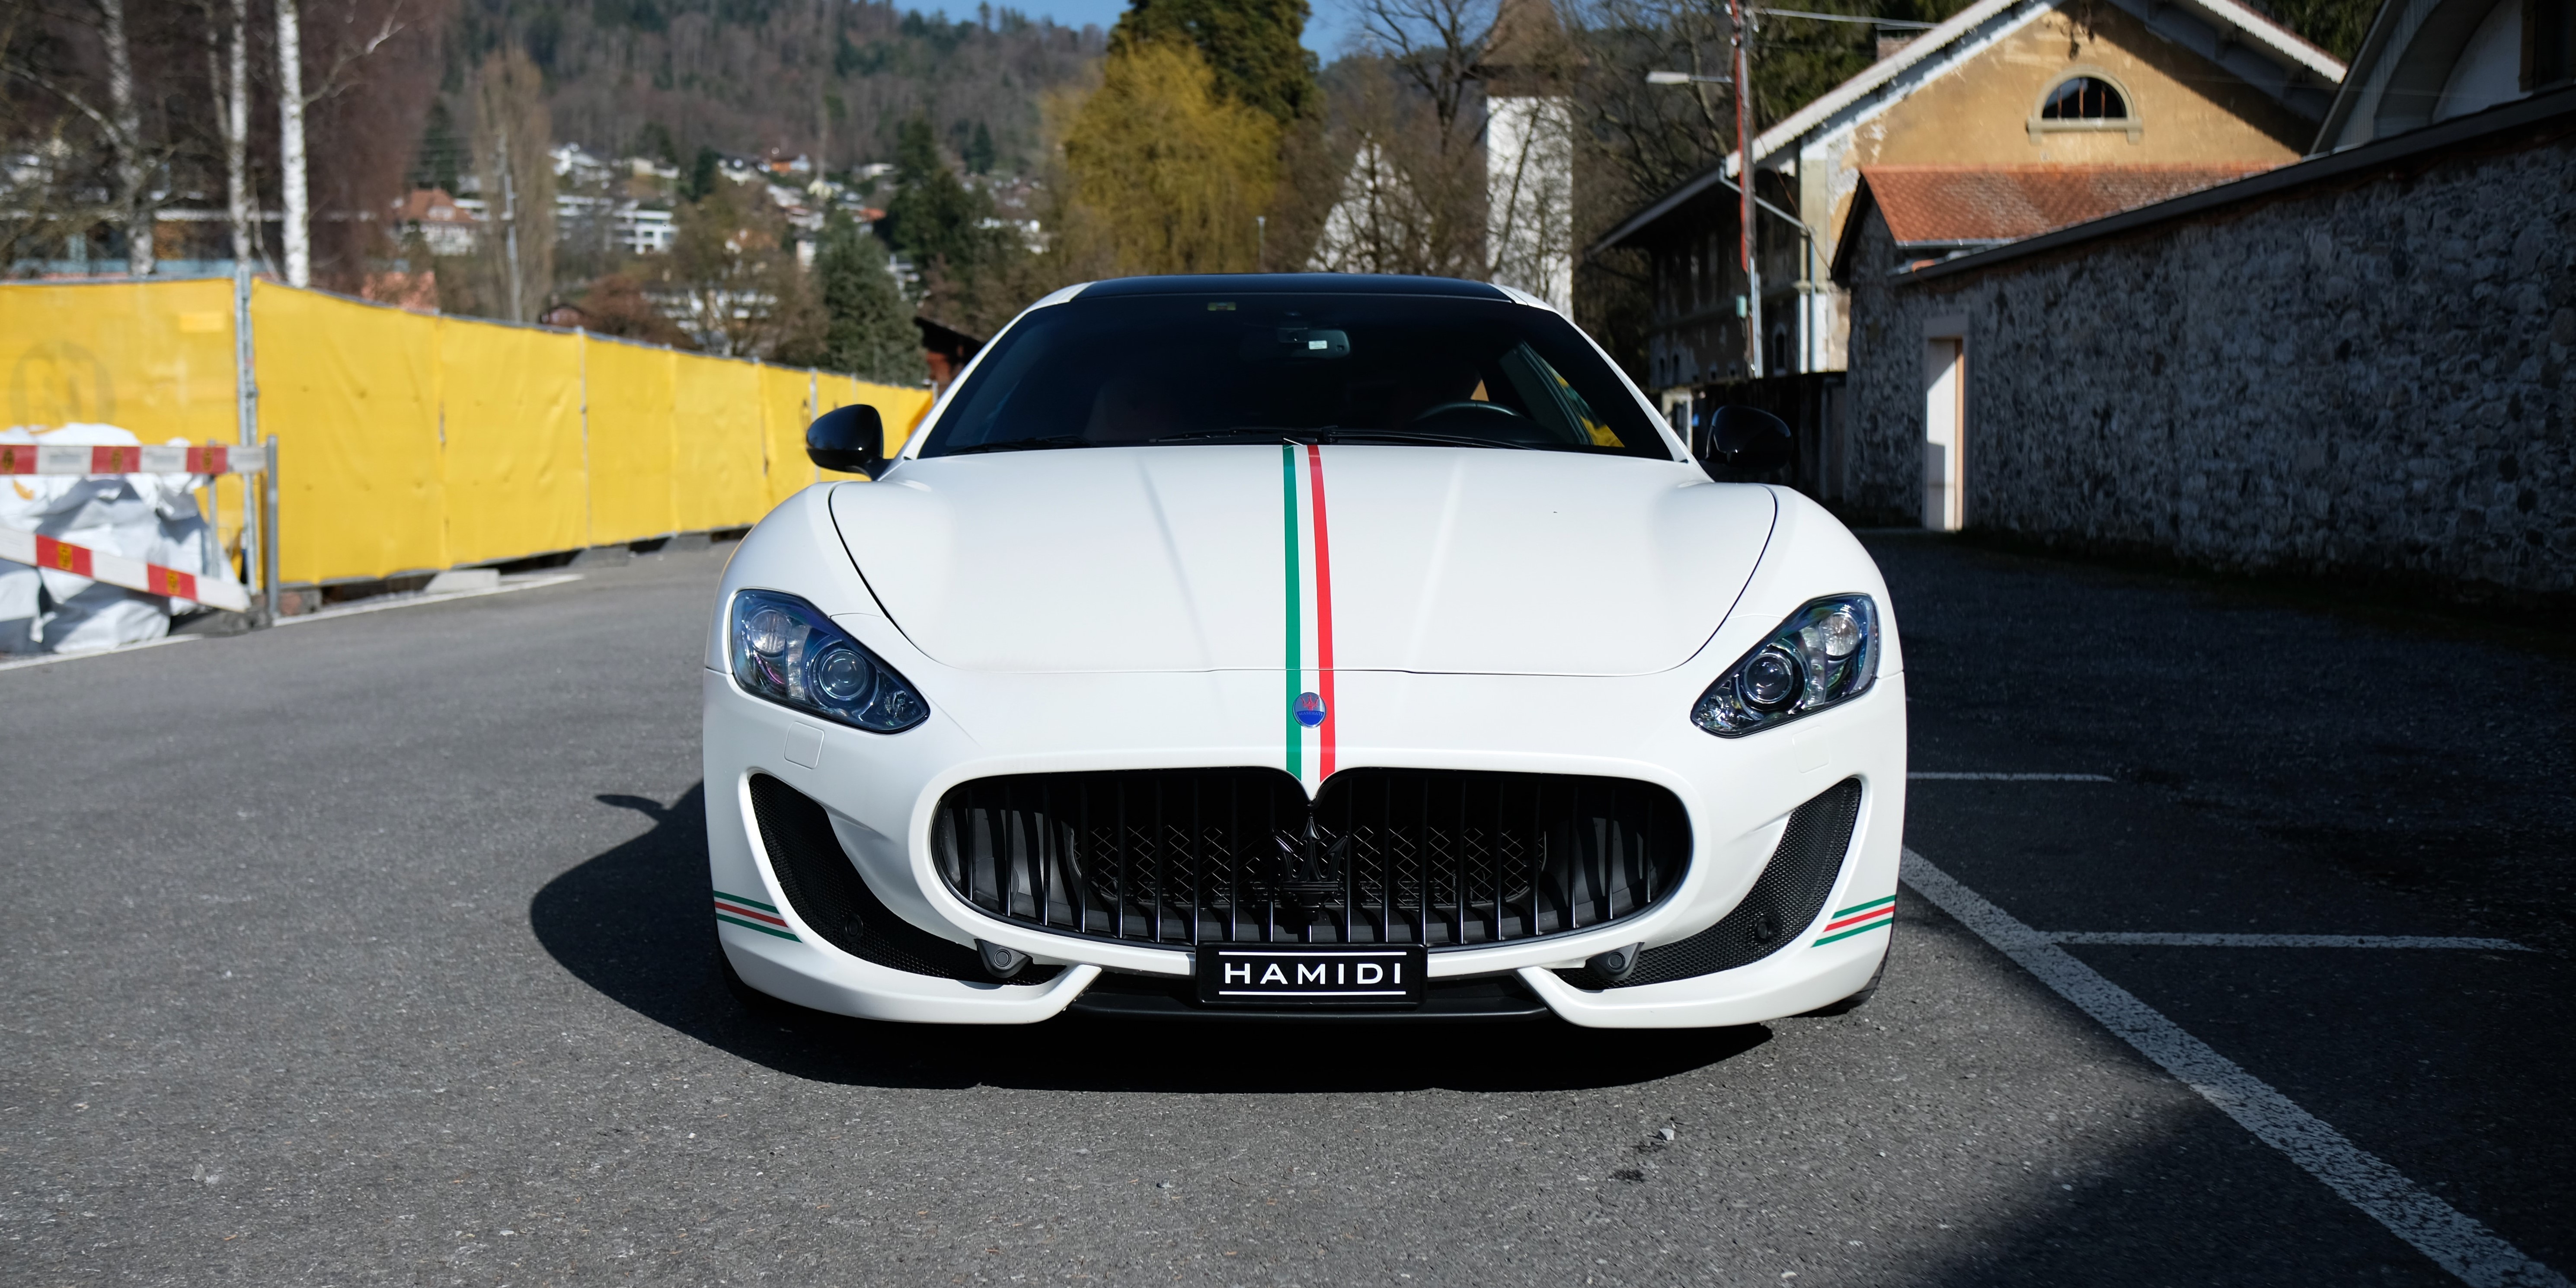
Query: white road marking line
<point x="51" y="658"/>
<point x="2158" y="939"/>
<point x="2456" y="1242"/>
<point x="2011" y="778"/>
<point x="408" y="601"/>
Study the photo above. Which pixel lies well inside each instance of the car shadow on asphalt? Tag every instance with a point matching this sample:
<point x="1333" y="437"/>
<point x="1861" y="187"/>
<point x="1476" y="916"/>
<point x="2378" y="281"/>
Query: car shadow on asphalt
<point x="632" y="923"/>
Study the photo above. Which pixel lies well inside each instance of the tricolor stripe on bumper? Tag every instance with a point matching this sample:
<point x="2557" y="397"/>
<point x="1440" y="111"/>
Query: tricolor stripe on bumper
<point x="751" y="914"/>
<point x="1860" y="919"/>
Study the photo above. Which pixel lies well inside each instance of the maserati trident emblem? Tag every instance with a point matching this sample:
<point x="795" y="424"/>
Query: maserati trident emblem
<point x="1310" y="710"/>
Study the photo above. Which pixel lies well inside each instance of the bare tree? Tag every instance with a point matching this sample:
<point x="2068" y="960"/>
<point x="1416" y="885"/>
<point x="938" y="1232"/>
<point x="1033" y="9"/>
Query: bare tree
<point x="133" y="170"/>
<point x="1658" y="135"/>
<point x="298" y="232"/>
<point x="228" y="79"/>
<point x="1458" y="133"/>
<point x="347" y="50"/>
<point x="512" y="136"/>
<point x="118" y="119"/>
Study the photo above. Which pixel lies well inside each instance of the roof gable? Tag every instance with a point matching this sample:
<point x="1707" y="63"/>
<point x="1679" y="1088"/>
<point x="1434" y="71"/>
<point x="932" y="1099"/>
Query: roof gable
<point x="2252" y="47"/>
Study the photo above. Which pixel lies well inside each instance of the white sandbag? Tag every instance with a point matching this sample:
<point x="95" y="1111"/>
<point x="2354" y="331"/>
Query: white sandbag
<point x="152" y="517"/>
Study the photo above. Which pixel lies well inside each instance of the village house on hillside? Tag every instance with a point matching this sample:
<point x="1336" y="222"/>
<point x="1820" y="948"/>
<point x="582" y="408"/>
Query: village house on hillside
<point x="2354" y="366"/>
<point x="2160" y="95"/>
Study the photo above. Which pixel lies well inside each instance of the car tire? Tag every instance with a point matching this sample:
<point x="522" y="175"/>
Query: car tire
<point x="1853" y="1002"/>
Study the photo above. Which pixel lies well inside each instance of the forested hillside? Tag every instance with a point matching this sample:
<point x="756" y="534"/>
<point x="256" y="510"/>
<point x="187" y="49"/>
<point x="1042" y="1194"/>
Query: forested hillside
<point x="830" y="78"/>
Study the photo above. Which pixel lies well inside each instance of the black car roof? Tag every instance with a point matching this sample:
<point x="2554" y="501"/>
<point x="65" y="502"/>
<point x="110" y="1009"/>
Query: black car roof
<point x="1292" y="284"/>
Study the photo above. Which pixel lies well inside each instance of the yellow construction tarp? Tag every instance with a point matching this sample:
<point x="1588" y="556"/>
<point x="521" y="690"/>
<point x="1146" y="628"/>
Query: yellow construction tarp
<point x="516" y="481"/>
<point x="152" y="357"/>
<point x="352" y="393"/>
<point x="632" y="448"/>
<point x="412" y="442"/>
<point x="718" y="480"/>
<point x="786" y="408"/>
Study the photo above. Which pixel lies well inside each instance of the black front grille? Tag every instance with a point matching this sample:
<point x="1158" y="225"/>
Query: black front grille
<point x="828" y="894"/>
<point x="1784" y="900"/>
<point x="1186" y="856"/>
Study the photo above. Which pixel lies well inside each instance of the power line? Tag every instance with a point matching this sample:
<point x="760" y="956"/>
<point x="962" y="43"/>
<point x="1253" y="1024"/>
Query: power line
<point x="1897" y="23"/>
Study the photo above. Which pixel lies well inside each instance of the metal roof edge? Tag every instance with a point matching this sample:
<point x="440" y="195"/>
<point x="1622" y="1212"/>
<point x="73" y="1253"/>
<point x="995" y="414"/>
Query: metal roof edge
<point x="2281" y="39"/>
<point x="2348" y="93"/>
<point x="2501" y="119"/>
<point x="1918" y="50"/>
<point x="1924" y="49"/>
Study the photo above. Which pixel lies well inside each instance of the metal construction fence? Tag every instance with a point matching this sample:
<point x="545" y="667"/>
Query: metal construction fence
<point x="411" y="443"/>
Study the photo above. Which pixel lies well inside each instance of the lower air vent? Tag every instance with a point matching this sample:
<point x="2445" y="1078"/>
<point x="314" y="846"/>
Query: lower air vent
<point x="1444" y="858"/>
<point x="1784" y="900"/>
<point x="827" y="893"/>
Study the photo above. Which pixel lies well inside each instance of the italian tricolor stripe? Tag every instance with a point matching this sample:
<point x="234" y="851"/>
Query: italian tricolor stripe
<point x="1296" y="672"/>
<point x="1860" y="919"/>
<point x="1306" y="542"/>
<point x="751" y="914"/>
<point x="1323" y="611"/>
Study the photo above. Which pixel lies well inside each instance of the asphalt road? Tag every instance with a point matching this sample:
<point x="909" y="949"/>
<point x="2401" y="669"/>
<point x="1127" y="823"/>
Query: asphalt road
<point x="374" y="951"/>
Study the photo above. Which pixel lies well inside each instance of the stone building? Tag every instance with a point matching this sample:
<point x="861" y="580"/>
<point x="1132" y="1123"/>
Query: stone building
<point x="2005" y="83"/>
<point x="2355" y="366"/>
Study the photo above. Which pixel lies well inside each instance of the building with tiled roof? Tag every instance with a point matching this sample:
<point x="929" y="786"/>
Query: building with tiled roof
<point x="2136" y="95"/>
<point x="1934" y="211"/>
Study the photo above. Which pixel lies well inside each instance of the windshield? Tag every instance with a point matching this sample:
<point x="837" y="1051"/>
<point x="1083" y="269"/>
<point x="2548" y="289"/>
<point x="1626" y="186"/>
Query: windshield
<point x="1142" y="370"/>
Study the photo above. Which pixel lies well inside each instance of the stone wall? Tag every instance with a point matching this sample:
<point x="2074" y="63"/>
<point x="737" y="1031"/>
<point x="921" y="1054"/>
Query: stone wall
<point x="2365" y="376"/>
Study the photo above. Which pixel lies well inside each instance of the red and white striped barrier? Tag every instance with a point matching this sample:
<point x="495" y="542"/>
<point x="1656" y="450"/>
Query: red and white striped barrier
<point x="214" y="458"/>
<point x="118" y="570"/>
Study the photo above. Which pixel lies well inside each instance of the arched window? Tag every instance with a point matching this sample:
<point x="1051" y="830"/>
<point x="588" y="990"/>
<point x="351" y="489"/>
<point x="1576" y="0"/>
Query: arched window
<point x="2085" y="98"/>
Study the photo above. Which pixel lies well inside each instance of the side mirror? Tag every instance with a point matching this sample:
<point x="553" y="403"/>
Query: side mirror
<point x="1747" y="440"/>
<point x="849" y="439"/>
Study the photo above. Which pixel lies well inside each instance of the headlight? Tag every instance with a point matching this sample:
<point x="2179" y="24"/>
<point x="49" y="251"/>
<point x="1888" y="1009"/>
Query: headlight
<point x="787" y="651"/>
<point x="1827" y="652"/>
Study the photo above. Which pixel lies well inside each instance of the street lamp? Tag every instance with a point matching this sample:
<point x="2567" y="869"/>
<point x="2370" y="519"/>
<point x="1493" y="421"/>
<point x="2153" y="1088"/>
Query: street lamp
<point x="1738" y="13"/>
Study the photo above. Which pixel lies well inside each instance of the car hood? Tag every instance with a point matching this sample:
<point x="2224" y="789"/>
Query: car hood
<point x="1180" y="558"/>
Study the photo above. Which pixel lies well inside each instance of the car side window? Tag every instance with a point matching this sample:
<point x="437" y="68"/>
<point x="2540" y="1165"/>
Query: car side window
<point x="1547" y="397"/>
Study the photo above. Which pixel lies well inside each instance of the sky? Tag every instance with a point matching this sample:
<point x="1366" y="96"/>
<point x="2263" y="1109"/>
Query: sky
<point x="1323" y="35"/>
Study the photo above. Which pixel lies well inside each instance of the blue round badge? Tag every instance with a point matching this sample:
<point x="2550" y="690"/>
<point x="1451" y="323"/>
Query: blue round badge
<point x="1310" y="710"/>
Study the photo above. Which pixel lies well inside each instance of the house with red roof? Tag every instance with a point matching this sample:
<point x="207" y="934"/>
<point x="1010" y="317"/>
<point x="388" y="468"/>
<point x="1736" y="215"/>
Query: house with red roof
<point x="2011" y="118"/>
<point x="2351" y="367"/>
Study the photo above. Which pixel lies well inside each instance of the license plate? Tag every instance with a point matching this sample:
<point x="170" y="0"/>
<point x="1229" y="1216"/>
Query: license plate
<point x="1312" y="975"/>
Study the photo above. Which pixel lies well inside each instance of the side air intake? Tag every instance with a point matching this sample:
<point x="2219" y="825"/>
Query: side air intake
<point x="1784" y="900"/>
<point x="828" y="894"/>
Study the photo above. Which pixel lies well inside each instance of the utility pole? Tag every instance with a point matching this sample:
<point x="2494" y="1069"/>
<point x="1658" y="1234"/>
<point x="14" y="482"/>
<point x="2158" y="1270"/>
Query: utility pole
<point x="297" y="234"/>
<point x="1737" y="11"/>
<point x="510" y="224"/>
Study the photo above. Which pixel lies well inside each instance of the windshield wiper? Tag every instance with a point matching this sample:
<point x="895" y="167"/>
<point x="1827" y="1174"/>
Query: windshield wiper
<point x="1263" y="434"/>
<point x="1415" y="436"/>
<point x="1024" y="445"/>
<point x="1253" y="433"/>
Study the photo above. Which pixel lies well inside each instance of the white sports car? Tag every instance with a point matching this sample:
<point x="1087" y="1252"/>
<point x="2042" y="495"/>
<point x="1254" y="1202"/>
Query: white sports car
<point x="1303" y="647"/>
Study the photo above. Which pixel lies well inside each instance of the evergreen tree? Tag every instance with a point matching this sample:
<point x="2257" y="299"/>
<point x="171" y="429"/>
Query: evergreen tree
<point x="979" y="154"/>
<point x="1252" y="46"/>
<point x="702" y="175"/>
<point x="869" y="332"/>
<point x="933" y="217"/>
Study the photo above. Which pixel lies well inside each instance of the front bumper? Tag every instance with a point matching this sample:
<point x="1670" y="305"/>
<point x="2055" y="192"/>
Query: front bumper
<point x="879" y="792"/>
